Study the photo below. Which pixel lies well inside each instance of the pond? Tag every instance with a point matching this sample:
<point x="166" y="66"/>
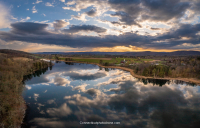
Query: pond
<point x="84" y="95"/>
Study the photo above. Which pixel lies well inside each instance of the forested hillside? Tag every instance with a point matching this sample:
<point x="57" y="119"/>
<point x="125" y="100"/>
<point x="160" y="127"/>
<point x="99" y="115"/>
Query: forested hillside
<point x="14" y="66"/>
<point x="184" y="67"/>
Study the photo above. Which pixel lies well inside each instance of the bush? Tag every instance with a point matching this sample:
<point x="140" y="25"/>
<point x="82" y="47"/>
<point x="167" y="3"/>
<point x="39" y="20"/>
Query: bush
<point x="106" y="64"/>
<point x="68" y="59"/>
<point x="100" y="61"/>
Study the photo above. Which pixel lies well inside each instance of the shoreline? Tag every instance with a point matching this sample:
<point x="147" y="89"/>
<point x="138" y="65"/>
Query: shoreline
<point x="25" y="107"/>
<point x="189" y="80"/>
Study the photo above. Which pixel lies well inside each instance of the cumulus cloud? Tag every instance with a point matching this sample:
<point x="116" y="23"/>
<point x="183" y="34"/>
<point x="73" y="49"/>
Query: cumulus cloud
<point x="34" y="10"/>
<point x="80" y="17"/>
<point x="118" y="72"/>
<point x="91" y="13"/>
<point x="117" y="80"/>
<point x="26" y="19"/>
<point x="137" y="101"/>
<point x="51" y="101"/>
<point x="80" y="87"/>
<point x="58" y="24"/>
<point x="49" y="4"/>
<point x="28" y="87"/>
<point x="37" y="1"/>
<point x="28" y="27"/>
<point x="130" y="101"/>
<point x="61" y="81"/>
<point x="133" y="16"/>
<point x="132" y="12"/>
<point x="86" y="28"/>
<point x="79" y="4"/>
<point x="164" y="10"/>
<point x="85" y="76"/>
<point x="62" y="111"/>
<point x="185" y="30"/>
<point x="93" y="92"/>
<point x="37" y="33"/>
<point x="35" y="96"/>
<point x="4" y="16"/>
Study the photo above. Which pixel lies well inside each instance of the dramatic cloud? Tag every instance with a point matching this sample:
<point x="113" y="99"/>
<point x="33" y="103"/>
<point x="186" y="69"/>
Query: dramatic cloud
<point x="4" y="16"/>
<point x="37" y="33"/>
<point x="85" y="76"/>
<point x="185" y="30"/>
<point x="87" y="28"/>
<point x="160" y="10"/>
<point x="28" y="28"/>
<point x="131" y="12"/>
<point x="91" y="13"/>
<point x="80" y="87"/>
<point x="83" y="4"/>
<point x="62" y="111"/>
<point x="117" y="80"/>
<point x="93" y="91"/>
<point x="80" y="17"/>
<point x="134" y="102"/>
<point x="60" y="24"/>
<point x="61" y="81"/>
<point x="142" y="24"/>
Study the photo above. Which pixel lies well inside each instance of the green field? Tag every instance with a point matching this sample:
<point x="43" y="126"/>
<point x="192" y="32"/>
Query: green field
<point x="112" y="60"/>
<point x="37" y="56"/>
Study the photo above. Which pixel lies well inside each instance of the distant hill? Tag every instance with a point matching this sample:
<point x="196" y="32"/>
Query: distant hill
<point x="16" y="53"/>
<point x="176" y="53"/>
<point x="83" y="53"/>
<point x="147" y="53"/>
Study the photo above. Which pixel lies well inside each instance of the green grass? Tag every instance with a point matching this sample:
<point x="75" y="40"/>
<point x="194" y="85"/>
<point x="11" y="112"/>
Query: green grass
<point x="37" y="56"/>
<point x="113" y="60"/>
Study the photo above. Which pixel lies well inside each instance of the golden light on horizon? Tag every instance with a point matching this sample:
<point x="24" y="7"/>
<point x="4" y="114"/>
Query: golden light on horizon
<point x="128" y="49"/>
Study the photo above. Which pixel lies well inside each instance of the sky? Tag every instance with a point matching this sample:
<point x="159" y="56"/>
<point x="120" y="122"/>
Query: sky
<point x="100" y="25"/>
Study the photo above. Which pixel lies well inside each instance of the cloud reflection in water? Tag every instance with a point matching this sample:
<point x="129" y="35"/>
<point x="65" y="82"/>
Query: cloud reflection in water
<point x="114" y="96"/>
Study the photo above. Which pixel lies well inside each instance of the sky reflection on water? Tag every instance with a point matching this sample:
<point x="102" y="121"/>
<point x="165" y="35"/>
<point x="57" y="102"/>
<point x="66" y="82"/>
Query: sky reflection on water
<point x="73" y="92"/>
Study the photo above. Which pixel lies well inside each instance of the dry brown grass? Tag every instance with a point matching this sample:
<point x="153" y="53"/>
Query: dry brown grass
<point x="22" y="58"/>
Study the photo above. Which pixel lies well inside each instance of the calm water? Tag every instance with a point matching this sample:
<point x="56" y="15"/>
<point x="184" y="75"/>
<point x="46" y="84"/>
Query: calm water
<point x="71" y="94"/>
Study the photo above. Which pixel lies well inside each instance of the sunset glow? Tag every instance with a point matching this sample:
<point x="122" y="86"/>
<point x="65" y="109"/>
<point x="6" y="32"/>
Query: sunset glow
<point x="100" y="25"/>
